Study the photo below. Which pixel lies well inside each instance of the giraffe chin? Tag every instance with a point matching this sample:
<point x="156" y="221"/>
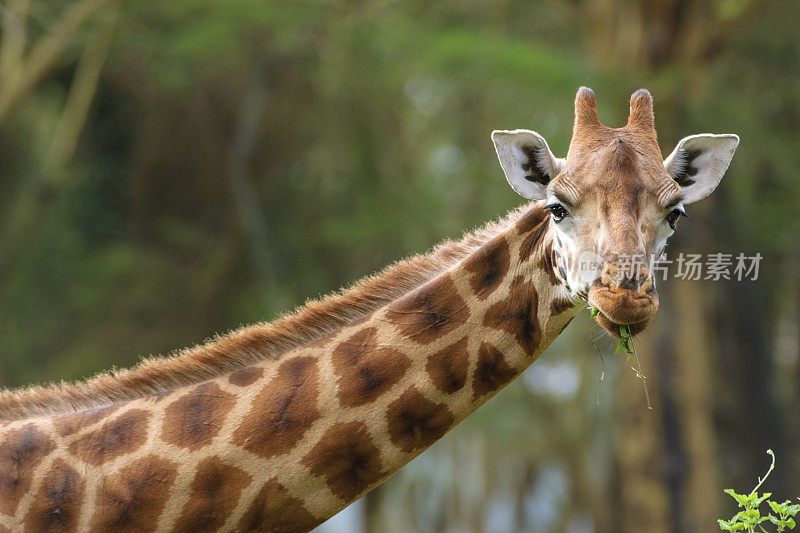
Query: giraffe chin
<point x="633" y="309"/>
<point x="613" y="327"/>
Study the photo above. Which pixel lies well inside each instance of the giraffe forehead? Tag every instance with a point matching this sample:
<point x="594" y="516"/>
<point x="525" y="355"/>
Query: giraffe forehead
<point x="618" y="169"/>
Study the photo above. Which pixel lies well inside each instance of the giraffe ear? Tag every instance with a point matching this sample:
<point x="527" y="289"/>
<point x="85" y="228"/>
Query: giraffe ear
<point x="527" y="161"/>
<point x="698" y="163"/>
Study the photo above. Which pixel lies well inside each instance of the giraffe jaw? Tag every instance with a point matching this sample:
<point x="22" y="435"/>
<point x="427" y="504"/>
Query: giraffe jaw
<point x="619" y="307"/>
<point x="613" y="327"/>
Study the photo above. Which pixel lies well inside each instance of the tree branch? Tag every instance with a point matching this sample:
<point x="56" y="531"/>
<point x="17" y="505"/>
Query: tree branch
<point x="81" y="93"/>
<point x="46" y="52"/>
<point x="12" y="44"/>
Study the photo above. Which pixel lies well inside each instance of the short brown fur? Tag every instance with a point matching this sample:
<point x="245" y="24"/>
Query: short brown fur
<point x="317" y="320"/>
<point x="278" y="426"/>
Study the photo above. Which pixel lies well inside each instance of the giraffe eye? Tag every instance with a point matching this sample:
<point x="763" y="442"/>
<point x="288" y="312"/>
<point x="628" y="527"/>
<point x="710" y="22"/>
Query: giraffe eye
<point x="673" y="216"/>
<point x="557" y="210"/>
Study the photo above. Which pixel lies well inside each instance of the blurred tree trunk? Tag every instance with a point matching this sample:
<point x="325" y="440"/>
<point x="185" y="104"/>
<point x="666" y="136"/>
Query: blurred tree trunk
<point x="643" y="498"/>
<point x="646" y="34"/>
<point x="694" y="402"/>
<point x="748" y="345"/>
<point x="786" y="376"/>
<point x="373" y="502"/>
<point x="246" y="198"/>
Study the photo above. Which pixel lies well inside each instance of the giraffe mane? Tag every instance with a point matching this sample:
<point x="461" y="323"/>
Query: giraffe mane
<point x="250" y="344"/>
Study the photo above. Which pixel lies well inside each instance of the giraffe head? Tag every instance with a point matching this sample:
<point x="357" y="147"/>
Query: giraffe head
<point x="613" y="201"/>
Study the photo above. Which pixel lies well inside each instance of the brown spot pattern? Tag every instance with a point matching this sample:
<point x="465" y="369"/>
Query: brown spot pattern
<point x="366" y="371"/>
<point x="58" y="503"/>
<point x="531" y="220"/>
<point x="533" y="225"/>
<point x="214" y="494"/>
<point x="117" y="437"/>
<point x="492" y="371"/>
<point x="414" y="422"/>
<point x="517" y="314"/>
<point x="428" y="313"/>
<point x="347" y="459"/>
<point x="488" y="266"/>
<point x="274" y="510"/>
<point x="74" y="422"/>
<point x="283" y="410"/>
<point x="132" y="499"/>
<point x="245" y="376"/>
<point x="559" y="305"/>
<point x="194" y="419"/>
<point x="546" y="264"/>
<point x="447" y="368"/>
<point x="557" y="265"/>
<point x="21" y="451"/>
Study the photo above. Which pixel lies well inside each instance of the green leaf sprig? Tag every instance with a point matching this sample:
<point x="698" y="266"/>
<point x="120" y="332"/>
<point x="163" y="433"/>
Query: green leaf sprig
<point x="750" y="517"/>
<point x="626" y="343"/>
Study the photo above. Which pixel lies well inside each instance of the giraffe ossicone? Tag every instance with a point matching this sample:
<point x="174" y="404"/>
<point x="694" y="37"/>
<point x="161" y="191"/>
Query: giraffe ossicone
<point x="278" y="426"/>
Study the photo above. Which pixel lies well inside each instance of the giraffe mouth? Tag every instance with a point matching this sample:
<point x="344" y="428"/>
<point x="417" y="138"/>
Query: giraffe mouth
<point x="613" y="328"/>
<point x="620" y="307"/>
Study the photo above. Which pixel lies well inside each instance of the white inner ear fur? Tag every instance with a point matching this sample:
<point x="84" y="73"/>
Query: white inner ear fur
<point x="527" y="161"/>
<point x="698" y="163"/>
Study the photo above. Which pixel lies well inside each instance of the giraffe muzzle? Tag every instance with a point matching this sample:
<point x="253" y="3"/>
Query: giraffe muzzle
<point x="623" y="299"/>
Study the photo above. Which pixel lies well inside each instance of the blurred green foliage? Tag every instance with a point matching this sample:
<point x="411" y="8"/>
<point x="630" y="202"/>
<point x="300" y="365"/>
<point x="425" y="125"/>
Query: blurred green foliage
<point x="240" y="157"/>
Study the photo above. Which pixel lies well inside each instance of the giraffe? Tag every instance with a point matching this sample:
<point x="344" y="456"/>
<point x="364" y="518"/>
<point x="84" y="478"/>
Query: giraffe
<point x="278" y="426"/>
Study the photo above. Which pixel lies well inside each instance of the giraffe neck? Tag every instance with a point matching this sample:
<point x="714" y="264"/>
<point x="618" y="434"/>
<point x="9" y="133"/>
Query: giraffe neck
<point x="284" y="444"/>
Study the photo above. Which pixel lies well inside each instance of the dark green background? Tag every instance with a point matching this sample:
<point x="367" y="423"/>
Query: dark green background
<point x="171" y="170"/>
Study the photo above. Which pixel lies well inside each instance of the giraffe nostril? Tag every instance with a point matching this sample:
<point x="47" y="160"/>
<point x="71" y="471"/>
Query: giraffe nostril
<point x="647" y="284"/>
